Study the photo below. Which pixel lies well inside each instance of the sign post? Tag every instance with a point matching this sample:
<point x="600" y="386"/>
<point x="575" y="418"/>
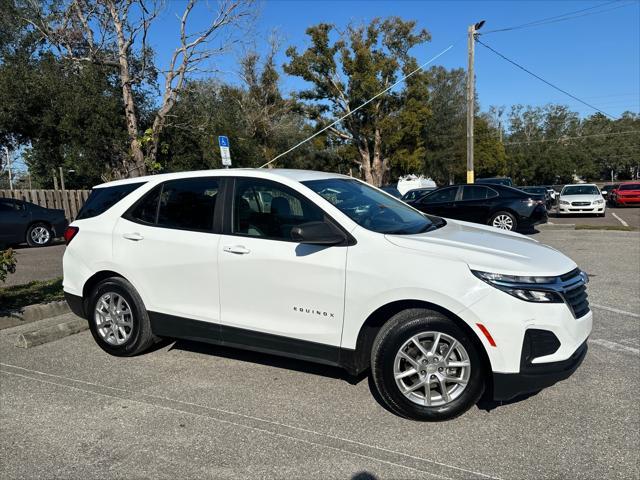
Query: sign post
<point x="225" y="154"/>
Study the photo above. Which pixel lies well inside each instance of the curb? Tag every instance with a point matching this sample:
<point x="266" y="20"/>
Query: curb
<point x="33" y="313"/>
<point x="48" y="334"/>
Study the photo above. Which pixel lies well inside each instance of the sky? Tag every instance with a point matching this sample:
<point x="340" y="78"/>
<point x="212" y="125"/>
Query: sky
<point x="595" y="56"/>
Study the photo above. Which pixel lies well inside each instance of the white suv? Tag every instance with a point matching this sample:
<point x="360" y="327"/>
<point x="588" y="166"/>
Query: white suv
<point x="325" y="268"/>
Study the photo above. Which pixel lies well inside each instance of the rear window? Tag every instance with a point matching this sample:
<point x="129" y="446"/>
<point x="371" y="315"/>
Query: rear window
<point x="102" y="199"/>
<point x="630" y="186"/>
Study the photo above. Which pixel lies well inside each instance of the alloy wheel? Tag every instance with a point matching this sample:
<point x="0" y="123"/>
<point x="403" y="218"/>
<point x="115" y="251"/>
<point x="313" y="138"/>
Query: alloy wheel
<point x="432" y="369"/>
<point x="40" y="235"/>
<point x="503" y="222"/>
<point x="114" y="318"/>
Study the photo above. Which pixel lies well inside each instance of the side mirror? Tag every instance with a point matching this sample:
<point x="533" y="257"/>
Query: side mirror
<point x="317" y="233"/>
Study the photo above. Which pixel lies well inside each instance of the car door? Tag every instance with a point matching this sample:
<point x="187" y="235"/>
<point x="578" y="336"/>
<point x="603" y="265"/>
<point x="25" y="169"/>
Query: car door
<point x="474" y="205"/>
<point x="441" y="202"/>
<point x="14" y="219"/>
<point x="276" y="293"/>
<point x="168" y="246"/>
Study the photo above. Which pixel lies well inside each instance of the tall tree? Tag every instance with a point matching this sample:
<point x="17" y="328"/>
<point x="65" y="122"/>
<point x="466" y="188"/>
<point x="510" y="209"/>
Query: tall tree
<point x="114" y="33"/>
<point x="346" y="70"/>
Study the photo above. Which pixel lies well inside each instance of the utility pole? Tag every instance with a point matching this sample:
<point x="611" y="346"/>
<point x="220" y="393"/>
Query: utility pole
<point x="471" y="43"/>
<point x="6" y="149"/>
<point x="61" y="179"/>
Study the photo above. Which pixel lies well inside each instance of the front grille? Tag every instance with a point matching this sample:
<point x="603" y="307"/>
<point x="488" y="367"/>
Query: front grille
<point x="580" y="204"/>
<point x="575" y="293"/>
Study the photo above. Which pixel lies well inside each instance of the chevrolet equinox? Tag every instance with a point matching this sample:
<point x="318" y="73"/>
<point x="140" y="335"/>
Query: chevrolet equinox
<point x="325" y="268"/>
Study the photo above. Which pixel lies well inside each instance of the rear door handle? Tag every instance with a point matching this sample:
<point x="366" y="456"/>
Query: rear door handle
<point x="237" y="249"/>
<point x="135" y="236"/>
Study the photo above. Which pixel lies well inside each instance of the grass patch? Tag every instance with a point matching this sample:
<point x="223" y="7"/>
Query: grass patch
<point x="18" y="296"/>
<point x="621" y="228"/>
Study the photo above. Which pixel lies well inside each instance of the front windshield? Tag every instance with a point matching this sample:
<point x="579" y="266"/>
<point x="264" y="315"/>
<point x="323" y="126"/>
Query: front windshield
<point x="535" y="190"/>
<point x="630" y="186"/>
<point x="369" y="207"/>
<point x="580" y="190"/>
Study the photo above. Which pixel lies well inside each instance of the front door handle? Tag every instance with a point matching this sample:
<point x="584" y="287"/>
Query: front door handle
<point x="135" y="236"/>
<point x="237" y="249"/>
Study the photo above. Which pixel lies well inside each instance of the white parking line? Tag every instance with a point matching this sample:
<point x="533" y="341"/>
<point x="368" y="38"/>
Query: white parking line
<point x="616" y="310"/>
<point x="624" y="224"/>
<point x="614" y="346"/>
<point x="126" y="395"/>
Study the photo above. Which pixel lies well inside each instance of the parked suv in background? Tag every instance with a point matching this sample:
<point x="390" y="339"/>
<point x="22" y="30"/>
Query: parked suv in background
<point x="22" y="221"/>
<point x="580" y="199"/>
<point x="325" y="268"/>
<point x="496" y="205"/>
<point x="626" y="194"/>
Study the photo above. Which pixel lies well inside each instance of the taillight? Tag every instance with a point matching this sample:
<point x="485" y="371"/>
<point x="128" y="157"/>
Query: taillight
<point x="69" y="233"/>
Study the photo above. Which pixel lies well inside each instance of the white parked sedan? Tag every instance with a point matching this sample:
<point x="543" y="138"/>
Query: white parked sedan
<point x="581" y="199"/>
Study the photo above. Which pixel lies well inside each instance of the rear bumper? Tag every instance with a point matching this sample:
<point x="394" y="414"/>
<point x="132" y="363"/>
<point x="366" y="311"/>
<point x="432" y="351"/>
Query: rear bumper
<point x="535" y="377"/>
<point x="59" y="227"/>
<point x="538" y="216"/>
<point x="76" y="304"/>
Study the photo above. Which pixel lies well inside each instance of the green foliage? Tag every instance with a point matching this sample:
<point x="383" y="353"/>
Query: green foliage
<point x="347" y="71"/>
<point x="7" y="263"/>
<point x="67" y="116"/>
<point x="19" y="296"/>
<point x="552" y="144"/>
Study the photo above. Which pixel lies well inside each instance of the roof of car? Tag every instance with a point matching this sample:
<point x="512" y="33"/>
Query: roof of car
<point x="272" y="173"/>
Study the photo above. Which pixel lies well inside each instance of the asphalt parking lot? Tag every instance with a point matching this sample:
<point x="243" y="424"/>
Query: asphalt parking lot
<point x="615" y="217"/>
<point x="68" y="410"/>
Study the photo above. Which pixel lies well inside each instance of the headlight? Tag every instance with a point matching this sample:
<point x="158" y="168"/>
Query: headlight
<point x="598" y="202"/>
<point x="529" y="289"/>
<point x="564" y="202"/>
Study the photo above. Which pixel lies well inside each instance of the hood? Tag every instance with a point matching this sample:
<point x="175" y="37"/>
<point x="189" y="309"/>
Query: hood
<point x="488" y="249"/>
<point x="580" y="198"/>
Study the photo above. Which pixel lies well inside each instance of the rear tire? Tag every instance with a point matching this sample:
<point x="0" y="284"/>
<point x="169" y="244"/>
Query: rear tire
<point x="392" y="375"/>
<point x="39" y="235"/>
<point x="118" y="319"/>
<point x="504" y="221"/>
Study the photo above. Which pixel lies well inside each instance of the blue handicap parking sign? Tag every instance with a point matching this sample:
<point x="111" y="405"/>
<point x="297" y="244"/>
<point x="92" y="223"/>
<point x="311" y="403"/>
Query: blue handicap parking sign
<point x="223" y="141"/>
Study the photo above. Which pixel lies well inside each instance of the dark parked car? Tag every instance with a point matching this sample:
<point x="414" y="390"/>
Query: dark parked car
<point x="540" y="192"/>
<point x="416" y="193"/>
<point x="606" y="190"/>
<point x="26" y="222"/>
<point x="506" y="181"/>
<point x="391" y="190"/>
<point x="502" y="207"/>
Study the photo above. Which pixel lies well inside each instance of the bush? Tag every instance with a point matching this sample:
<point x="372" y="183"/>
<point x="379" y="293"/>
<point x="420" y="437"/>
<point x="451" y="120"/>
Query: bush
<point x="7" y="263"/>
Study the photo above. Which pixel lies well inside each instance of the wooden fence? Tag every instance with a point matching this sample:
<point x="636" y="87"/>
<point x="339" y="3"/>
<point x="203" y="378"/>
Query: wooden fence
<point x="68" y="200"/>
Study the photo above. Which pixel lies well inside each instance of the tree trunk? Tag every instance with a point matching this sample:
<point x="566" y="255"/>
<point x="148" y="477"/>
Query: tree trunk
<point x="137" y="155"/>
<point x="380" y="165"/>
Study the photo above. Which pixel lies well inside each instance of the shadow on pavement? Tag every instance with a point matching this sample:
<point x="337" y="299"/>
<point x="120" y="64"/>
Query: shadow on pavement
<point x="268" y="360"/>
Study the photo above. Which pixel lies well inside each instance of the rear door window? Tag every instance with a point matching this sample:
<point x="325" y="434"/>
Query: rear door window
<point x="441" y="196"/>
<point x="102" y="199"/>
<point x="188" y="204"/>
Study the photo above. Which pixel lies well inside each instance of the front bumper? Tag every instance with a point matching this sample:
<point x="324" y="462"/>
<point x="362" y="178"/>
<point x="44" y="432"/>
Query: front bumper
<point x="628" y="200"/>
<point x="576" y="210"/>
<point x="535" y="377"/>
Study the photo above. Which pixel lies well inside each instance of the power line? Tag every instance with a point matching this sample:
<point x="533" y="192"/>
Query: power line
<point x="358" y="107"/>
<point x="563" y="17"/>
<point x="580" y="137"/>
<point x="543" y="80"/>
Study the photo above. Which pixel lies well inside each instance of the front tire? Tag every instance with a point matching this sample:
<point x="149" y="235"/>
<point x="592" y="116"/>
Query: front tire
<point x="118" y="319"/>
<point x="39" y="235"/>
<point x="504" y="221"/>
<point x="425" y="367"/>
